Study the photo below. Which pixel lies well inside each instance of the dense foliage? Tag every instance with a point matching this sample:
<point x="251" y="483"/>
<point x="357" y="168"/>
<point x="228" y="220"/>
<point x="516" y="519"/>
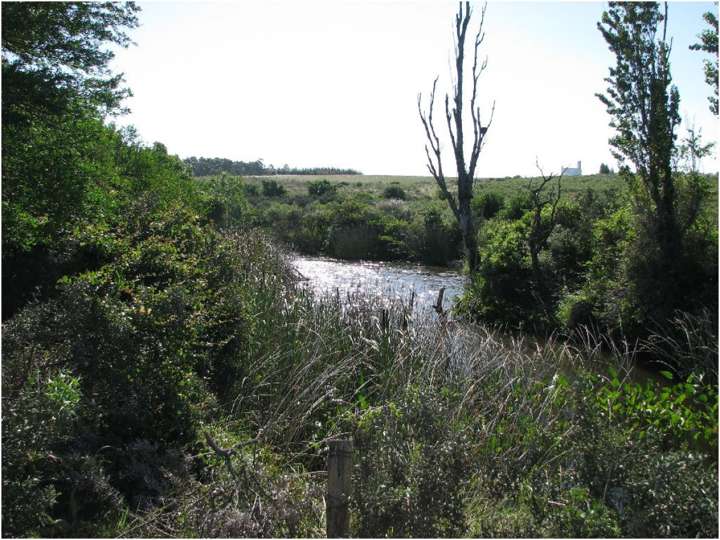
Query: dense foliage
<point x="628" y="264"/>
<point x="334" y="218"/>
<point x="62" y="50"/>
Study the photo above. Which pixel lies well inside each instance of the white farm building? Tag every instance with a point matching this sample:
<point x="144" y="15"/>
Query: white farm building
<point x="572" y="171"/>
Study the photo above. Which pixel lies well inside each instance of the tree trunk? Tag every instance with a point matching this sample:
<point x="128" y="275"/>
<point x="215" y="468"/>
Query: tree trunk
<point x="467" y="225"/>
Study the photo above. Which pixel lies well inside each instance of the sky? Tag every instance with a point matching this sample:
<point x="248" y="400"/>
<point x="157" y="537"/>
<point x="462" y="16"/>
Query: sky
<point x="335" y="83"/>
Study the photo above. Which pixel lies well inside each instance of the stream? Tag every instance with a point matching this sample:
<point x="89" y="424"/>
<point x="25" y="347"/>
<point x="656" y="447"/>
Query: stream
<point x="393" y="280"/>
<point x="397" y="280"/>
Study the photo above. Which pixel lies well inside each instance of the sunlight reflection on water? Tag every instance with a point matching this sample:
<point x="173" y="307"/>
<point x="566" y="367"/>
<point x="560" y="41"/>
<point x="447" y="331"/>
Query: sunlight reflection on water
<point x="389" y="280"/>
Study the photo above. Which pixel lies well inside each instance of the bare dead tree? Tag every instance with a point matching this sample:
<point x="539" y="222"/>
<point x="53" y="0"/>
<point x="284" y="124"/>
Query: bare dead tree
<point x="454" y="117"/>
<point x="540" y="229"/>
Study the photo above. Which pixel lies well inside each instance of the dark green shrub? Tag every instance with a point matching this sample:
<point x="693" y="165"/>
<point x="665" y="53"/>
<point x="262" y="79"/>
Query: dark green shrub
<point x="601" y="479"/>
<point x="503" y="290"/>
<point x="312" y="237"/>
<point x="516" y="206"/>
<point x="570" y="244"/>
<point x="576" y="312"/>
<point x="271" y="188"/>
<point x="226" y="201"/>
<point x="33" y="423"/>
<point x="351" y="236"/>
<point x="251" y="190"/>
<point x="487" y="204"/>
<point x="394" y="192"/>
<point x="321" y="188"/>
<point x="138" y="350"/>
<point x="352" y="241"/>
<point x="606" y="291"/>
<point x="440" y="240"/>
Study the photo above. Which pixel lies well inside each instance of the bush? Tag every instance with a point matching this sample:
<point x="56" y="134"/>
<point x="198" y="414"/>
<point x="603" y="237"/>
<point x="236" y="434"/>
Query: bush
<point x="394" y="192"/>
<point x="412" y="469"/>
<point x="251" y="190"/>
<point x="226" y="202"/>
<point x="486" y="205"/>
<point x="503" y="289"/>
<point x="516" y="206"/>
<point x="271" y="188"/>
<point x="142" y="349"/>
<point x="321" y="188"/>
<point x="440" y="240"/>
<point x="602" y="482"/>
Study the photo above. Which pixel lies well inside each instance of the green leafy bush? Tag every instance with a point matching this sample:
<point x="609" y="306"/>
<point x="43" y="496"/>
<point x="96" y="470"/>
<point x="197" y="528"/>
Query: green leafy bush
<point x="271" y="188"/>
<point x="487" y="204"/>
<point x="146" y="346"/>
<point x="502" y="290"/>
<point x="322" y="188"/>
<point x="412" y="469"/>
<point x="226" y="203"/>
<point x="439" y="239"/>
<point x="394" y="192"/>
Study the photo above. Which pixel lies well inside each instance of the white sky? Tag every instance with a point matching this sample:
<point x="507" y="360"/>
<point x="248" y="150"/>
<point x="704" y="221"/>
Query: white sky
<point x="335" y="83"/>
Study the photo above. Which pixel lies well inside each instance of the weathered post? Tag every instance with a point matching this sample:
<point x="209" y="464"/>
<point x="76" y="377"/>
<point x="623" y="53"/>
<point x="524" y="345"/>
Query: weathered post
<point x="439" y="303"/>
<point x="339" y="488"/>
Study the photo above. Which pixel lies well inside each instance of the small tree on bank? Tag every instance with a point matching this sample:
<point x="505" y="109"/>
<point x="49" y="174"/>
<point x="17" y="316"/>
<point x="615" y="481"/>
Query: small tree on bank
<point x="460" y="206"/>
<point x="643" y="105"/>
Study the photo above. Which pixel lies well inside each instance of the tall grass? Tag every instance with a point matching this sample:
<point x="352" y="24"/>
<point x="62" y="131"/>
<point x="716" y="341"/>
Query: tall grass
<point x="464" y="429"/>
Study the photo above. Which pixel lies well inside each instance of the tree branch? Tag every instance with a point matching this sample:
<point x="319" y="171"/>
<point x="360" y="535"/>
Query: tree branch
<point x="435" y="166"/>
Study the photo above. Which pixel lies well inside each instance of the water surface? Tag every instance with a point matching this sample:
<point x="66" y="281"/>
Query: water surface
<point x="389" y="280"/>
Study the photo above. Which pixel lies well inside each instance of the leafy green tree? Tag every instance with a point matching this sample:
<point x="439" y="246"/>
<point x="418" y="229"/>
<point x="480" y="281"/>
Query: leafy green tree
<point x="643" y="105"/>
<point x="604" y="169"/>
<point x="56" y="150"/>
<point x="59" y="161"/>
<point x="709" y="44"/>
<point x="65" y="43"/>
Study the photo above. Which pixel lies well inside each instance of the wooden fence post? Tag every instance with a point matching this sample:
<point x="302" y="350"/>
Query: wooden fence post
<point x="339" y="488"/>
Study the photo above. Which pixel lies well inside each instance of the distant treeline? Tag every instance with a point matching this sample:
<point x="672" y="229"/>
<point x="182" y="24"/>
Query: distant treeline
<point x="209" y="166"/>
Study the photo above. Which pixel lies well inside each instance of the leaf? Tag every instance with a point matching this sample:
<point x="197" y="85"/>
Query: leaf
<point x="668" y="375"/>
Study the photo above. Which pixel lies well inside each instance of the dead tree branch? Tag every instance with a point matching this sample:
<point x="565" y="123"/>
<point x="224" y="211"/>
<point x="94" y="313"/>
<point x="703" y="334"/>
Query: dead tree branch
<point x="466" y="168"/>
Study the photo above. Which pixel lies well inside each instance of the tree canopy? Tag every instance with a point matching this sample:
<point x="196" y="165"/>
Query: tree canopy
<point x="709" y="44"/>
<point x="66" y="45"/>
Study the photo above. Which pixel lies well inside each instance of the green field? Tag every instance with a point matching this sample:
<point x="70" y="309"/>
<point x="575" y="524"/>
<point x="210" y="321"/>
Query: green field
<point x="418" y="187"/>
